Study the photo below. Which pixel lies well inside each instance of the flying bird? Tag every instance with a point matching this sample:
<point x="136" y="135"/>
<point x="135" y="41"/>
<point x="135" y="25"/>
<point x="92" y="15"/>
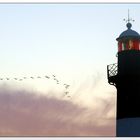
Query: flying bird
<point x="53" y="75"/>
<point x="55" y="79"/>
<point x="66" y="92"/>
<point x="67" y="86"/>
<point x="47" y="77"/>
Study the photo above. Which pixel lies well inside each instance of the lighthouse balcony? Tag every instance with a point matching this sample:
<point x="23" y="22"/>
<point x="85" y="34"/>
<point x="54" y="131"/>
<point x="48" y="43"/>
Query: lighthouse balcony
<point x="112" y="71"/>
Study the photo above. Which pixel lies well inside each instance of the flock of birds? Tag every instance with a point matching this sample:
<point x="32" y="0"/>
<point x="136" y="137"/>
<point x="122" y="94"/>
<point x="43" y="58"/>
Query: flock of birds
<point x="66" y="86"/>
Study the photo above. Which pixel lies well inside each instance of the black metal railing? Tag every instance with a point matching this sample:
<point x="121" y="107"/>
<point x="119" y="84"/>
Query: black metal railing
<point x="112" y="71"/>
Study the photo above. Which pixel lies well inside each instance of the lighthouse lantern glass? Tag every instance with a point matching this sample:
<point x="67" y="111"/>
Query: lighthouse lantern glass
<point x="130" y="44"/>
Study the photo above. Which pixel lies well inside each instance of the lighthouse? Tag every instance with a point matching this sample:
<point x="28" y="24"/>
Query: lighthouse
<point x="125" y="76"/>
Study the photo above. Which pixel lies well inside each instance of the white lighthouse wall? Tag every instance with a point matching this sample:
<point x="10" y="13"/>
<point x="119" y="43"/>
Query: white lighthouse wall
<point x="128" y="127"/>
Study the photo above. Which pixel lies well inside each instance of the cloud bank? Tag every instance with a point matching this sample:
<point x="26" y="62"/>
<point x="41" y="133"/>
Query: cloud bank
<point x="24" y="113"/>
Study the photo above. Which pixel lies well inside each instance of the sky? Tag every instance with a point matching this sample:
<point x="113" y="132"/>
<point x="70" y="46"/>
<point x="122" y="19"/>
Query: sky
<point x="73" y="42"/>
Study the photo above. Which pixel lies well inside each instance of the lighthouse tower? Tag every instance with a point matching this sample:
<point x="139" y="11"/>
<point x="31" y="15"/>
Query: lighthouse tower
<point x="125" y="76"/>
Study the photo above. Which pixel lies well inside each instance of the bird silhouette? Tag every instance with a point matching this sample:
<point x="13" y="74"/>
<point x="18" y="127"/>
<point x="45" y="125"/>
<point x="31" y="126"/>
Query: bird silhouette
<point x="67" y="86"/>
<point x="47" y="77"/>
<point x="66" y="92"/>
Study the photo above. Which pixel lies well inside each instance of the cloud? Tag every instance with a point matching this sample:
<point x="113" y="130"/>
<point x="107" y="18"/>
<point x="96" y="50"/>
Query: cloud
<point x="24" y="113"/>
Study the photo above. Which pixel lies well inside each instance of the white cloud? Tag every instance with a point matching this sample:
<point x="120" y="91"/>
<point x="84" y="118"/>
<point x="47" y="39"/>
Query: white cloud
<point x="27" y="114"/>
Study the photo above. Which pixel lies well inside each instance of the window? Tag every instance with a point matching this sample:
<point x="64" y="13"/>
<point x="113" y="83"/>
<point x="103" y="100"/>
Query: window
<point x="128" y="45"/>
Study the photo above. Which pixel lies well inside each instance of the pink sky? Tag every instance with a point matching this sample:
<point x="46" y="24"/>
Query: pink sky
<point x="25" y="113"/>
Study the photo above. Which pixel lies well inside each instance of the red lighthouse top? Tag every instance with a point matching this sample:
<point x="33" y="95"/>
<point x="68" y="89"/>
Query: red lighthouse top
<point x="129" y="39"/>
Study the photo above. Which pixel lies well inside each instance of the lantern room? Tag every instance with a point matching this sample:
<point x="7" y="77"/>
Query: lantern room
<point x="129" y="39"/>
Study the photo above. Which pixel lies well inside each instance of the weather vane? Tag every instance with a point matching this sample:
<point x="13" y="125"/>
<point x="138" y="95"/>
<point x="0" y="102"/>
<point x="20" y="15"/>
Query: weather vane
<point x="129" y="19"/>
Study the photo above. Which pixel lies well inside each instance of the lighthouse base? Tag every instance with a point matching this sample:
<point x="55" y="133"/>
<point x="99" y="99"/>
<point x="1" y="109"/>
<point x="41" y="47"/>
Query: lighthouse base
<point x="129" y="127"/>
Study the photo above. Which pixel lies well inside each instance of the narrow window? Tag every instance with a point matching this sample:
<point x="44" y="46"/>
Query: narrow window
<point x="130" y="45"/>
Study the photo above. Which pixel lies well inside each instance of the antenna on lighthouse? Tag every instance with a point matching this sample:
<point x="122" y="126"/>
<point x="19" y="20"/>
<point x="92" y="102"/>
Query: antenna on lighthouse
<point x="128" y="19"/>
